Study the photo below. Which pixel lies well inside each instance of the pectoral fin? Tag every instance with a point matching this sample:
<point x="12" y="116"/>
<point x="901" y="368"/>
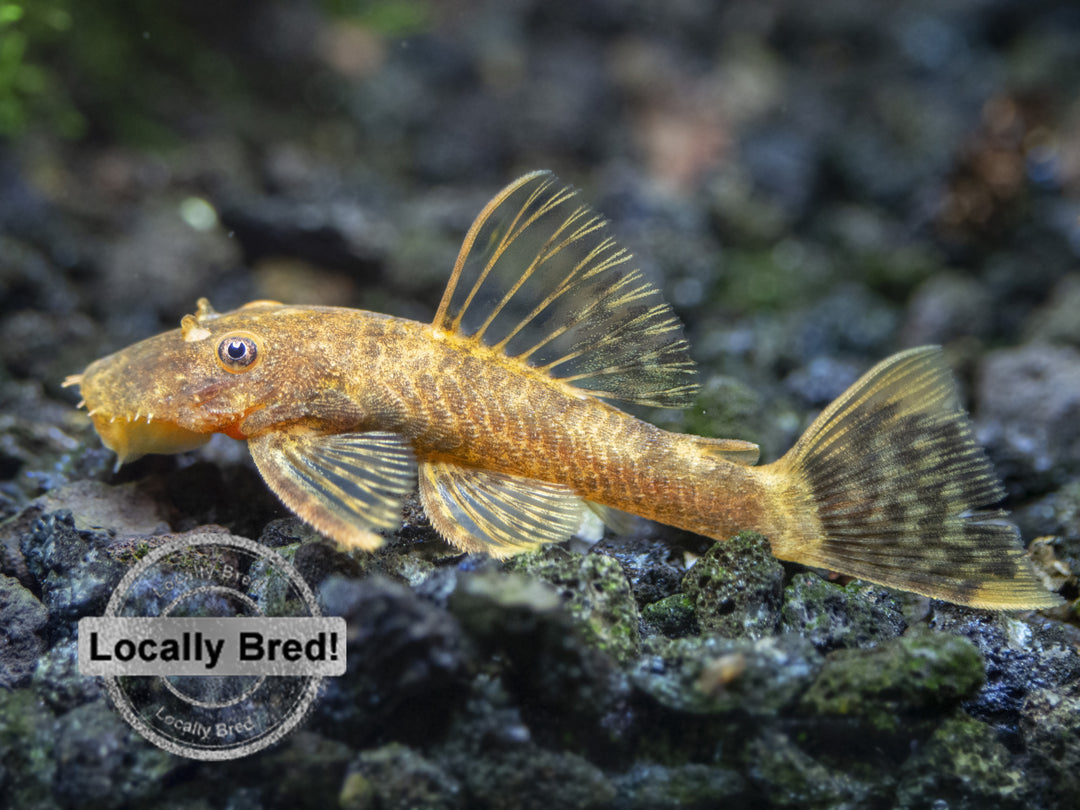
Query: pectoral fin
<point x="342" y="484"/>
<point x="498" y="514"/>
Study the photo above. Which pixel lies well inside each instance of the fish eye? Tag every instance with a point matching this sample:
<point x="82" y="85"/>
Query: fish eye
<point x="238" y="352"/>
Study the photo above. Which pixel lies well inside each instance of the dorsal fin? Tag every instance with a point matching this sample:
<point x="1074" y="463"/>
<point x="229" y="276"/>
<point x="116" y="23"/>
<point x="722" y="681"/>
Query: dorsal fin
<point x="540" y="279"/>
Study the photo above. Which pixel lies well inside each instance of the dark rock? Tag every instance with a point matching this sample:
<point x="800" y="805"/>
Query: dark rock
<point x="594" y="591"/>
<point x="653" y="566"/>
<point x="532" y="778"/>
<point x="849" y="320"/>
<point x="787" y="776"/>
<point x="35" y="454"/>
<point x="897" y="685"/>
<point x="948" y="307"/>
<point x="783" y="164"/>
<point x="59" y="683"/>
<point x="492" y="753"/>
<point x="568" y="688"/>
<point x="711" y="675"/>
<point x="127" y="510"/>
<point x="736" y="588"/>
<point x="1026" y="405"/>
<point x="12" y="531"/>
<point x="1056" y="321"/>
<point x="232" y="495"/>
<point x="103" y="763"/>
<point x="43" y="345"/>
<point x="650" y="786"/>
<point x="30" y="281"/>
<point x="1050" y="725"/>
<point x="821" y="380"/>
<point x="963" y="765"/>
<point x="1058" y="515"/>
<point x="566" y="99"/>
<point x="73" y="569"/>
<point x="28" y="760"/>
<point x="22" y="620"/>
<point x="407" y="662"/>
<point x="286" y="532"/>
<point x="316" y="561"/>
<point x="326" y="232"/>
<point x="1021" y="657"/>
<point x="858" y="615"/>
<point x="672" y="616"/>
<point x="397" y="776"/>
<point x="161" y="267"/>
<point x="305" y="770"/>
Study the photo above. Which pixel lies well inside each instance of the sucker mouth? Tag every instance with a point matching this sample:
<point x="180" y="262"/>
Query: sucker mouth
<point x="134" y="435"/>
<point x="113" y="418"/>
<point x="104" y="414"/>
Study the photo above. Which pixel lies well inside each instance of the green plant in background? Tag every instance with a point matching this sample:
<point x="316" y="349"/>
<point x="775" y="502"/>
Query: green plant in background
<point x="132" y="70"/>
<point x="29" y="89"/>
<point x="385" y="17"/>
<point x="145" y="72"/>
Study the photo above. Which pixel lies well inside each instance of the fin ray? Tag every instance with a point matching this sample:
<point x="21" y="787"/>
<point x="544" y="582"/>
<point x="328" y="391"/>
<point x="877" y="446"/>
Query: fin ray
<point x="901" y="489"/>
<point x="735" y="451"/>
<point x="342" y="484"/>
<point x="499" y="514"/>
<point x="540" y="280"/>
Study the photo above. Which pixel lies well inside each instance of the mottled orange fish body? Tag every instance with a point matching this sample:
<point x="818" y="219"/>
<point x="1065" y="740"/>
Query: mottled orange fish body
<point x="454" y="400"/>
<point x="500" y="409"/>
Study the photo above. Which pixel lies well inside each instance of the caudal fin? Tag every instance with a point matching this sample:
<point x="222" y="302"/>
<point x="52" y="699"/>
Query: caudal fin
<point x="899" y="487"/>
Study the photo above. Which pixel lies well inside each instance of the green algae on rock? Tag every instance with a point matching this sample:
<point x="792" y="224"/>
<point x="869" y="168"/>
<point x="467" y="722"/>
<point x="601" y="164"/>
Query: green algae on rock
<point x="965" y="766"/>
<point x="569" y="688"/>
<point x="594" y="591"/>
<point x="672" y="616"/>
<point x="736" y="588"/>
<point x="787" y="776"/>
<point x="650" y="786"/>
<point x="714" y="675"/>
<point x="886" y="688"/>
<point x="1050" y="726"/>
<point x="395" y="775"/>
<point x="835" y="617"/>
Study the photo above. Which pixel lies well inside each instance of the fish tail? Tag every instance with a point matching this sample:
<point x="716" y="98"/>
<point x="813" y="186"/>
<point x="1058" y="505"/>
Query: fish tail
<point x="894" y="490"/>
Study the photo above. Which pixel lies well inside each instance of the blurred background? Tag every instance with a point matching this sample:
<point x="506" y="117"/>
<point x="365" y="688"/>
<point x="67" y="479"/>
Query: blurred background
<point x="812" y="187"/>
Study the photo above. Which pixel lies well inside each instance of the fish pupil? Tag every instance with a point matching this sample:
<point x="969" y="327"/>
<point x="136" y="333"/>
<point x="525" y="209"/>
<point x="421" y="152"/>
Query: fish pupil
<point x="237" y="353"/>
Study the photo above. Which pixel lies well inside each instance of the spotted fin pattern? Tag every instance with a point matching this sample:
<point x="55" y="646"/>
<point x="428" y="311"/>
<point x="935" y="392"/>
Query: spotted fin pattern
<point x="496" y="513"/>
<point x="540" y="280"/>
<point x="344" y="485"/>
<point x="900" y="489"/>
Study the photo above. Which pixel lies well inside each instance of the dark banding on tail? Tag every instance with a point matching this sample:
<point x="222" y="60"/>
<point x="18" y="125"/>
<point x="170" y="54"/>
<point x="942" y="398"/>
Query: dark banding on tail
<point x="900" y="488"/>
